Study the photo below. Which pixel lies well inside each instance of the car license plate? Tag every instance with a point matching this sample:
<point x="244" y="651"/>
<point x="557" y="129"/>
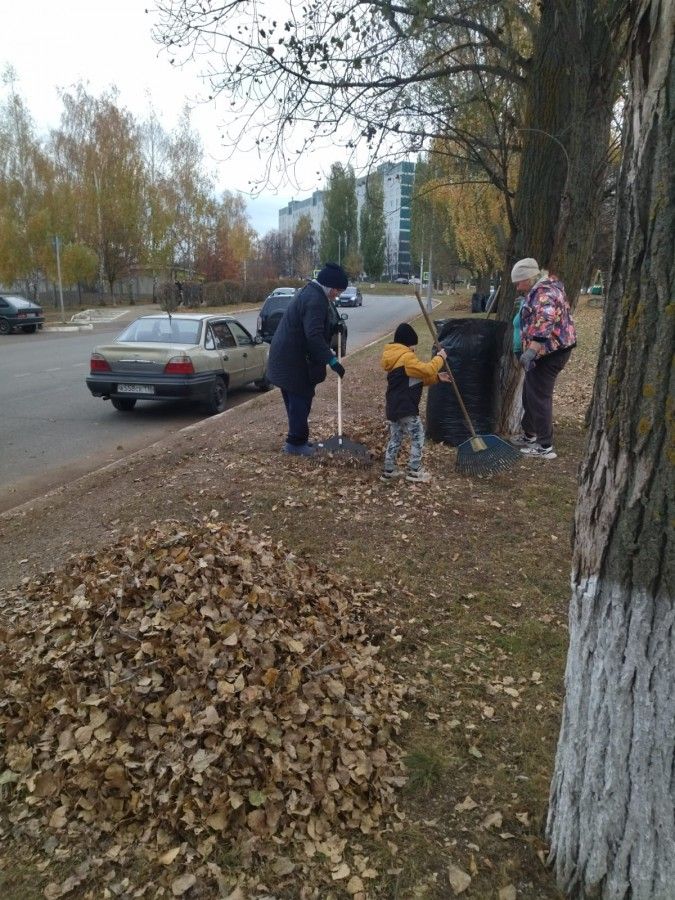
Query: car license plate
<point x="135" y="389"/>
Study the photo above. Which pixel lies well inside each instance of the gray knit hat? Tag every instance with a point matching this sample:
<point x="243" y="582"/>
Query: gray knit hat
<point x="524" y="269"/>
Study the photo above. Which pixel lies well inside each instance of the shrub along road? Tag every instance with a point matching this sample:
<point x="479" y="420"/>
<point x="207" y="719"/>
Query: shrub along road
<point x="471" y="580"/>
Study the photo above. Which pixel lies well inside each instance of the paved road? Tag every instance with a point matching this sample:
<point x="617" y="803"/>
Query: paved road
<point x="53" y="430"/>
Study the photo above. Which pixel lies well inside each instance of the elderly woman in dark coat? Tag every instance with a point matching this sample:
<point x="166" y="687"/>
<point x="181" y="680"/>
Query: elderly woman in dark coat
<point x="300" y="352"/>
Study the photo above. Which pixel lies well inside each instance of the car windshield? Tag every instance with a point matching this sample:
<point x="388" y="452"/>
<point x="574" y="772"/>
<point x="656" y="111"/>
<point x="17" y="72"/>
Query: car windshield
<point x="283" y="292"/>
<point x="349" y="292"/>
<point x="162" y="331"/>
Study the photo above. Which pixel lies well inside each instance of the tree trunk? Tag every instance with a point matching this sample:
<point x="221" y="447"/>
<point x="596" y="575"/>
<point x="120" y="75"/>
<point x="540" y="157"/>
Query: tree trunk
<point x="611" y="820"/>
<point x="586" y="139"/>
<point x="571" y="89"/>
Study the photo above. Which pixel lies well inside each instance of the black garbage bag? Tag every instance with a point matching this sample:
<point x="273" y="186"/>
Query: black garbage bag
<point x="478" y="302"/>
<point x="474" y="348"/>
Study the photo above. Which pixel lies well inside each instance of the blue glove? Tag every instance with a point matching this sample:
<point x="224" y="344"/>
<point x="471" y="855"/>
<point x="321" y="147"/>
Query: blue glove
<point x="528" y="359"/>
<point x="337" y="367"/>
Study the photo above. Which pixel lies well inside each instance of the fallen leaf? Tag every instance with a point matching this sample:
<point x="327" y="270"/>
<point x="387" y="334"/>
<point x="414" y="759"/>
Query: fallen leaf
<point x="466" y="805"/>
<point x="458" y="878"/>
<point x="182" y="884"/>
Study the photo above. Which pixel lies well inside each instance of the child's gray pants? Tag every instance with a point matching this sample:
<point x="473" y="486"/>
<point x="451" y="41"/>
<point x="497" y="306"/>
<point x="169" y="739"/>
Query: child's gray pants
<point x="409" y="425"/>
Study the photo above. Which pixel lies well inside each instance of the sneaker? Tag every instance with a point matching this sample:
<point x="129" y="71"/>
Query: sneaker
<point x="523" y="440"/>
<point x="299" y="449"/>
<point x="417" y="475"/>
<point x="388" y="474"/>
<point x="541" y="452"/>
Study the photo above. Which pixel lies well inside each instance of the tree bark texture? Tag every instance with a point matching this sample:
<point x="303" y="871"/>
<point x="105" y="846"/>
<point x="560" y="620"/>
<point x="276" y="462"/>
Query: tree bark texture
<point x="611" y="819"/>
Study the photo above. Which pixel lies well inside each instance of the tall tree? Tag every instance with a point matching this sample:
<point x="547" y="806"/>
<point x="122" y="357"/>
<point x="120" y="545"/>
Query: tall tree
<point x="190" y="193"/>
<point x="372" y="227"/>
<point x="97" y="148"/>
<point x="227" y="240"/>
<point x="26" y="179"/>
<point x="339" y="227"/>
<point x="432" y="226"/>
<point x="158" y="216"/>
<point x="303" y="247"/>
<point x="611" y="822"/>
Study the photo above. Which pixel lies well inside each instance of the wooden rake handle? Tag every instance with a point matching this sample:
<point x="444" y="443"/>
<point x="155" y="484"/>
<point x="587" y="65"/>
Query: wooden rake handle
<point x="434" y="335"/>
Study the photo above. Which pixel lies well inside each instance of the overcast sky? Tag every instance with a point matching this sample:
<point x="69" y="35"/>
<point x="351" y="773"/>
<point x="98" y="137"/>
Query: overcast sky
<point x="54" y="45"/>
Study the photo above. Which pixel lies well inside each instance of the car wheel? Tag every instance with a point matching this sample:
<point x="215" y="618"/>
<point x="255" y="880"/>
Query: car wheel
<point x="30" y="329"/>
<point x="217" y="398"/>
<point x="5" y="327"/>
<point x="263" y="384"/>
<point x="123" y="404"/>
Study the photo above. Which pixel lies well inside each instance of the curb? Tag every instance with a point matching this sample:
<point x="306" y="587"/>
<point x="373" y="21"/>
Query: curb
<point x="89" y="327"/>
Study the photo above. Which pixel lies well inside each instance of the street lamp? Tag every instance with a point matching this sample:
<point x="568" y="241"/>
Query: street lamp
<point x="339" y="234"/>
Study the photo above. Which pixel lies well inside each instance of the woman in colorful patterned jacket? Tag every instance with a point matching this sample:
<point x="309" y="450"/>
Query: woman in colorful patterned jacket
<point x="548" y="336"/>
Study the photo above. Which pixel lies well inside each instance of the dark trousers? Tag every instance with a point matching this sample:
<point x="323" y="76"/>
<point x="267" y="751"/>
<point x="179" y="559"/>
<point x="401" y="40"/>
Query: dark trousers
<point x="538" y="395"/>
<point x="297" y="410"/>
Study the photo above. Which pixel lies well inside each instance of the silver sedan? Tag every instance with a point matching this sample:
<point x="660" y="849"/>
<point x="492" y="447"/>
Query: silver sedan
<point x="178" y="357"/>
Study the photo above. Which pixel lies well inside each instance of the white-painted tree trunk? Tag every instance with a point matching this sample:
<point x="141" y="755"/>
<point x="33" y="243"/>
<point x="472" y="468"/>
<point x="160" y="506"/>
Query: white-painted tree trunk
<point x="611" y="820"/>
<point x="611" y="816"/>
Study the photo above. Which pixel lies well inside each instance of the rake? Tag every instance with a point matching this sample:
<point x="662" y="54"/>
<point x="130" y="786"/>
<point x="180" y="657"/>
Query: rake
<point x="481" y="454"/>
<point x="339" y="444"/>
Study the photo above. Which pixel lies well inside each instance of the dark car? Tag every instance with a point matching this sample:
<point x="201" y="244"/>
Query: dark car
<point x="351" y="296"/>
<point x="178" y="357"/>
<point x="272" y="312"/>
<point x="19" y="313"/>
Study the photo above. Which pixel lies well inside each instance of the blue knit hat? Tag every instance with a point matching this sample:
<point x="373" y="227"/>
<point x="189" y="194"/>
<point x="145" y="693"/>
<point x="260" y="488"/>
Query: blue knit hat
<point x="333" y="276"/>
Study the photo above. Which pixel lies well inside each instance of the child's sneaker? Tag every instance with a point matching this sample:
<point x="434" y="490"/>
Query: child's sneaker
<point x="541" y="452"/>
<point x="523" y="440"/>
<point x="388" y="474"/>
<point x="419" y="475"/>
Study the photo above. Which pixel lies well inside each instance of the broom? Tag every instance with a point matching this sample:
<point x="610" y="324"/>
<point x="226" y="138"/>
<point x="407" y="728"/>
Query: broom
<point x="481" y="454"/>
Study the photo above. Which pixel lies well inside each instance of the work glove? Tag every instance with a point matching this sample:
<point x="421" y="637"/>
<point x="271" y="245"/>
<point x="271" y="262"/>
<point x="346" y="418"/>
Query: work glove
<point x="337" y="367"/>
<point x="528" y="359"/>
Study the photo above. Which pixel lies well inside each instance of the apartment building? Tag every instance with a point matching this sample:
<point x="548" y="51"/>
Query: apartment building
<point x="397" y="181"/>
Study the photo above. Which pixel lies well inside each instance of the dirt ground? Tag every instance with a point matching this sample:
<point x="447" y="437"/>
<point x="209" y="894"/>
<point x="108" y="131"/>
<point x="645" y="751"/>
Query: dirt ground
<point x="477" y="576"/>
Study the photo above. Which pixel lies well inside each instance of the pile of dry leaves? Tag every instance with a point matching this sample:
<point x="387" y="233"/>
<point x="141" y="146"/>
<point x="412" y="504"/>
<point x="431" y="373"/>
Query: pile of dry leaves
<point x="196" y="693"/>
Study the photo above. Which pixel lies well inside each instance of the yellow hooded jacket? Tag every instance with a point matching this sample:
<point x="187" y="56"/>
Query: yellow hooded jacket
<point x="406" y="376"/>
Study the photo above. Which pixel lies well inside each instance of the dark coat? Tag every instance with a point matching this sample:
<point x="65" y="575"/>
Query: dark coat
<point x="300" y="348"/>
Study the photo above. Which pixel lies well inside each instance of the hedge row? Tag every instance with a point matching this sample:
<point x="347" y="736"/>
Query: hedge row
<point x="229" y="293"/>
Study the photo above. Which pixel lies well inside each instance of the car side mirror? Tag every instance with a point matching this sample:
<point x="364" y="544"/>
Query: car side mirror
<point x="257" y="339"/>
<point x="344" y="317"/>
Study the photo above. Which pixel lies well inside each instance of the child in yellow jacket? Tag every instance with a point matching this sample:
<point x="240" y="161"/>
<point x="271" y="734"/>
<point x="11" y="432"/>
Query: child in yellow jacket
<point x="406" y="376"/>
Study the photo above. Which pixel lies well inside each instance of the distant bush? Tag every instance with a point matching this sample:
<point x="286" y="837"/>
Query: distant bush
<point x="232" y="293"/>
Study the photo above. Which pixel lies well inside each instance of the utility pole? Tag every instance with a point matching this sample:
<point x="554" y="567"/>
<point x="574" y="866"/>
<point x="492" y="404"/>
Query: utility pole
<point x="57" y="246"/>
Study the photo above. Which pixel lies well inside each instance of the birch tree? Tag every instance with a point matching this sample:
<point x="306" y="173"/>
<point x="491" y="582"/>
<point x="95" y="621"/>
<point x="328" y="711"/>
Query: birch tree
<point x="611" y="820"/>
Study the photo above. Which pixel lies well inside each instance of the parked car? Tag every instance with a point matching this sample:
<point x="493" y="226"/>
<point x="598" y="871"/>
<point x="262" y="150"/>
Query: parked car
<point x="283" y="292"/>
<point x="17" y="312"/>
<point x="178" y="357"/>
<point x="351" y="296"/>
<point x="271" y="313"/>
<point x="402" y="279"/>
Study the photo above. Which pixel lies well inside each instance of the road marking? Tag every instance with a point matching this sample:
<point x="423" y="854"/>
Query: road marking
<point x="57" y="369"/>
<point x="23" y="375"/>
<point x="78" y="365"/>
